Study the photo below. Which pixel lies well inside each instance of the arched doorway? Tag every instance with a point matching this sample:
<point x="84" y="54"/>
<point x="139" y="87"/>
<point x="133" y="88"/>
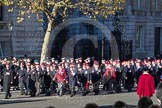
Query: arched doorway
<point x="58" y="43"/>
<point x="81" y="34"/>
<point x="84" y="48"/>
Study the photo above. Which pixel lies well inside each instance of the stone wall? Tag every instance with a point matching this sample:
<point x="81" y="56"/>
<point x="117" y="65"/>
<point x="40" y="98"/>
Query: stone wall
<point x="27" y="37"/>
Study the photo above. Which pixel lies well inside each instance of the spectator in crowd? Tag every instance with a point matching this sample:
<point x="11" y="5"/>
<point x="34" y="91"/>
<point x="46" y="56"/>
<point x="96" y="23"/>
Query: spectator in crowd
<point x="145" y="84"/>
<point x="120" y="104"/>
<point x="159" y="91"/>
<point x="144" y="102"/>
<point x="91" y="105"/>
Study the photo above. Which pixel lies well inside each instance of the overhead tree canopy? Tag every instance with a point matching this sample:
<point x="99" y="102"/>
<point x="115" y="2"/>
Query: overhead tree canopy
<point x="52" y="8"/>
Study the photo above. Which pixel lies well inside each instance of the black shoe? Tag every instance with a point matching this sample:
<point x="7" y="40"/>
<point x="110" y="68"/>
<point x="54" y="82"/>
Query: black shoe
<point x="38" y="94"/>
<point x="71" y="95"/>
<point x="84" y="94"/>
<point x="32" y="95"/>
<point x="110" y="92"/>
<point x="6" y="97"/>
<point x="96" y="93"/>
<point x="60" y="95"/>
<point x="10" y="96"/>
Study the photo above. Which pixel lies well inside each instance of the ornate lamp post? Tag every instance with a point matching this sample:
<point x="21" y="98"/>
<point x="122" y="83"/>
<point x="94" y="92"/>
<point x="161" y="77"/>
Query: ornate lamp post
<point x="10" y="28"/>
<point x="118" y="29"/>
<point x="117" y="24"/>
<point x="124" y="45"/>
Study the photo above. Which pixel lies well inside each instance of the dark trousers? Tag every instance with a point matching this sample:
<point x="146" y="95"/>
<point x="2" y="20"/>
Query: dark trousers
<point x="110" y="85"/>
<point x="27" y="87"/>
<point x="22" y="87"/>
<point x="52" y="87"/>
<point x="32" y="87"/>
<point x="96" y="89"/>
<point x="37" y="85"/>
<point x="72" y="89"/>
<point x="7" y="91"/>
<point x="82" y="86"/>
<point x="61" y="88"/>
<point x="42" y="88"/>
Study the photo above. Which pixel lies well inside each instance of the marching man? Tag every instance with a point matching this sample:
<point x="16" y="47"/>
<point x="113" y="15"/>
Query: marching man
<point x="61" y="79"/>
<point x="8" y="80"/>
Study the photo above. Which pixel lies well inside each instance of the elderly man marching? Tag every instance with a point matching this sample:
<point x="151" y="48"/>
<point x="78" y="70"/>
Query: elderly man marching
<point x="38" y="77"/>
<point x="61" y="79"/>
<point x="72" y="79"/>
<point x="7" y="80"/>
<point x="96" y="76"/>
<point x="110" y="73"/>
<point x="22" y="74"/>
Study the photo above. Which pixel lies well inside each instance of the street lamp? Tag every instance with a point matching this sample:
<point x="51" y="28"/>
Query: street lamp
<point x="118" y="29"/>
<point x="10" y="28"/>
<point x="116" y="24"/>
<point x="124" y="45"/>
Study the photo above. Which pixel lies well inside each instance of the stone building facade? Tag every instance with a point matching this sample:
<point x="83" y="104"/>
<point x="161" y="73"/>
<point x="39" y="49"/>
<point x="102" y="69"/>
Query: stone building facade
<point x="19" y="39"/>
<point x="141" y="19"/>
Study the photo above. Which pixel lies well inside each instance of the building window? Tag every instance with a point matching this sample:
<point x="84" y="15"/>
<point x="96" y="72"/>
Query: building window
<point x="1" y="49"/>
<point x="90" y="29"/>
<point x="138" y="4"/>
<point x="0" y="13"/>
<point x="140" y="37"/>
<point x="160" y="39"/>
<point x="154" y="5"/>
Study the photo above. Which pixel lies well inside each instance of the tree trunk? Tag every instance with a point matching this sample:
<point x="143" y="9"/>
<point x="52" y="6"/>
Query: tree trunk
<point x="45" y="46"/>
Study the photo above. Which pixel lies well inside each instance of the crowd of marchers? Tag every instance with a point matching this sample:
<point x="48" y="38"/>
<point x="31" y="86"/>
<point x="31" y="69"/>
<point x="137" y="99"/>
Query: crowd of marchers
<point x="60" y="75"/>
